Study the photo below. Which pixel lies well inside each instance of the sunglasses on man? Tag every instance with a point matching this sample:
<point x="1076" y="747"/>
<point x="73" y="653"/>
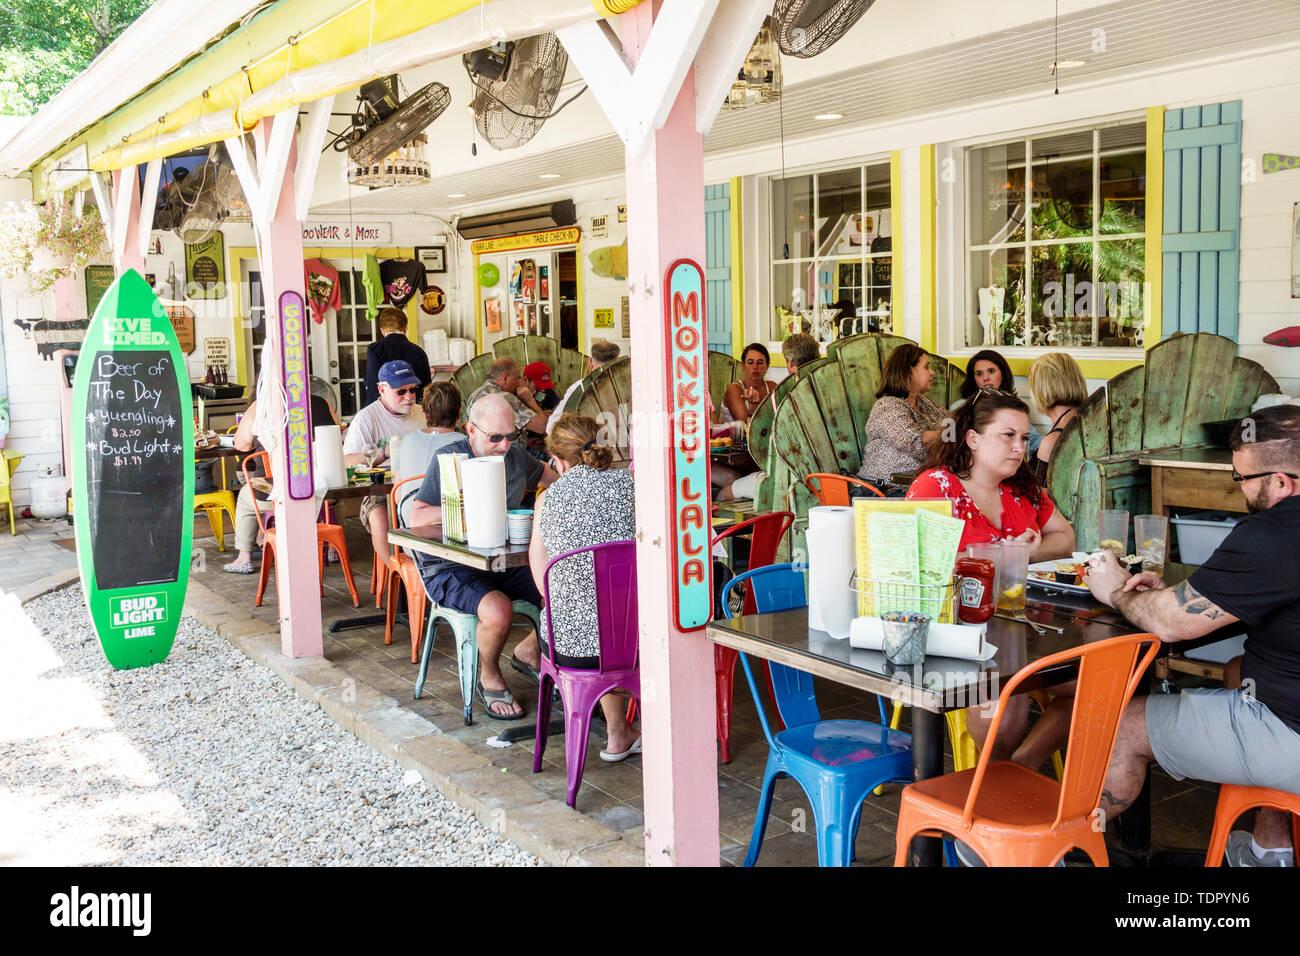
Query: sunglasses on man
<point x="1261" y="474"/>
<point x="408" y="390"/>
<point x="496" y="438"/>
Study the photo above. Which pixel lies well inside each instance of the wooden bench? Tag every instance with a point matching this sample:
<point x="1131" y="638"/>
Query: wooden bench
<point x="1186" y="381"/>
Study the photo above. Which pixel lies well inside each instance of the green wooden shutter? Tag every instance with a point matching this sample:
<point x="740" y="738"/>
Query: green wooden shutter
<point x="1202" y="214"/>
<point x="717" y="266"/>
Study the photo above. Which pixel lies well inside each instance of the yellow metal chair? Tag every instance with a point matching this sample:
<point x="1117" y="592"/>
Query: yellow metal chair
<point x="964" y="753"/>
<point x="6" y="496"/>
<point x="213" y="503"/>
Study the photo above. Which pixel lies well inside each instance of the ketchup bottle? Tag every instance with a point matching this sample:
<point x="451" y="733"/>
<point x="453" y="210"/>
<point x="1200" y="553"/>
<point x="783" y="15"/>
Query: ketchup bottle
<point x="974" y="589"/>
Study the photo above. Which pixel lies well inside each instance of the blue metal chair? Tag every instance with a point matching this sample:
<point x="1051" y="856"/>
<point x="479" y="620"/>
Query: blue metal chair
<point x="837" y="762"/>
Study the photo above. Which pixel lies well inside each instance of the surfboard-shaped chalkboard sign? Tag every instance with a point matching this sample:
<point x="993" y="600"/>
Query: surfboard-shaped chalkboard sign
<point x="133" y="474"/>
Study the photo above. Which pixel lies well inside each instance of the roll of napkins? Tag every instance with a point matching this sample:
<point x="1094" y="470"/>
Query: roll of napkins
<point x="328" y="450"/>
<point x="965" y="641"/>
<point x="831" y="601"/>
<point x="483" y="481"/>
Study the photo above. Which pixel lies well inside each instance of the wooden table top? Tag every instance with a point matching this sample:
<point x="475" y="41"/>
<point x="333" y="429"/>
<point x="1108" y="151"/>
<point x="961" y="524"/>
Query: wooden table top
<point x="351" y="490"/>
<point x="941" y="683"/>
<point x="428" y="539"/>
<point x="1204" y="458"/>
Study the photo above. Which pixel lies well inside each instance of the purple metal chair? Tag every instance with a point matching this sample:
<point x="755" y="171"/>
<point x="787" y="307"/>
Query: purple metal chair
<point x="580" y="689"/>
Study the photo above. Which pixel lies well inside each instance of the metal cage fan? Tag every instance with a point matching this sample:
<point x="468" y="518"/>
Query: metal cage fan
<point x="509" y="112"/>
<point x="805" y="28"/>
<point x="411" y="117"/>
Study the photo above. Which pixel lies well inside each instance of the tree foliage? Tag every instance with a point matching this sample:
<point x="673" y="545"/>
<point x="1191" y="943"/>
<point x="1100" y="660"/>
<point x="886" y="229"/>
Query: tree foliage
<point x="45" y="43"/>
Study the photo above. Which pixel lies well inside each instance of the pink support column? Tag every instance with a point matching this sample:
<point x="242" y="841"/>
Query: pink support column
<point x="296" y="569"/>
<point x="665" y="195"/>
<point x="65" y="310"/>
<point x="128" y="257"/>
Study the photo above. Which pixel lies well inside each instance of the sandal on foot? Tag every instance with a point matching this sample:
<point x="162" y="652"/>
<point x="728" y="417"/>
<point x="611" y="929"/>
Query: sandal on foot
<point x="608" y="757"/>
<point x="245" y="568"/>
<point x="528" y="670"/>
<point x="487" y="697"/>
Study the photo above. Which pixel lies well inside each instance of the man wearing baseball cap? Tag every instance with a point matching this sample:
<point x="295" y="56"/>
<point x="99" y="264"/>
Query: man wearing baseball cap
<point x="504" y="378"/>
<point x="539" y="373"/>
<point x="395" y="413"/>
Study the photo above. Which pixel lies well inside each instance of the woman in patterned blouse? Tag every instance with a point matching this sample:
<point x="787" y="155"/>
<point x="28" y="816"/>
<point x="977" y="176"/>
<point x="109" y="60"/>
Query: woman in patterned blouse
<point x="904" y="422"/>
<point x="590" y="503"/>
<point x="985" y="475"/>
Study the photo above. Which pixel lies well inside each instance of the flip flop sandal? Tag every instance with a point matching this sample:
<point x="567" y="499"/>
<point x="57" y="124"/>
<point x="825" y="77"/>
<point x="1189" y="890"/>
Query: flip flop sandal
<point x="487" y="697"/>
<point x="608" y="757"/>
<point x="532" y="673"/>
<point x="239" y="568"/>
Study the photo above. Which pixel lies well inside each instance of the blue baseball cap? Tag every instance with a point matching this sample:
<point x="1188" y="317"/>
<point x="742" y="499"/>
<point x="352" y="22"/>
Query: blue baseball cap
<point x="397" y="374"/>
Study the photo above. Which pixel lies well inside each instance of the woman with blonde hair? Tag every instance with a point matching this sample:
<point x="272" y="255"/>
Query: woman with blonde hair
<point x="590" y="503"/>
<point x="1057" y="386"/>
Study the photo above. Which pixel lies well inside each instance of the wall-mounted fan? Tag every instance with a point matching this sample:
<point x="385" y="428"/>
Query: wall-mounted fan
<point x="805" y="28"/>
<point x="385" y="128"/>
<point x="509" y="110"/>
<point x="198" y="198"/>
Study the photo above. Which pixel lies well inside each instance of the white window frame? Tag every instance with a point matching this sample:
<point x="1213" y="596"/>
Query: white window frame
<point x="955" y="295"/>
<point x="766" y="307"/>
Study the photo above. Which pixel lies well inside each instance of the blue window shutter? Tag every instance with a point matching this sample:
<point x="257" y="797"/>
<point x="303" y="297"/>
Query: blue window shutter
<point x="1202" y="215"/>
<point x="717" y="265"/>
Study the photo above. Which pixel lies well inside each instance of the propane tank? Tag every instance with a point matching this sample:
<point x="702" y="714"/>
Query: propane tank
<point x="49" y="495"/>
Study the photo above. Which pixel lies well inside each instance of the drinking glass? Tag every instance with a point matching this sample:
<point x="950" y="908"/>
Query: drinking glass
<point x="370" y="451"/>
<point x="1112" y="532"/>
<point x="990" y="551"/>
<point x="1013" y="572"/>
<point x="1151" y="533"/>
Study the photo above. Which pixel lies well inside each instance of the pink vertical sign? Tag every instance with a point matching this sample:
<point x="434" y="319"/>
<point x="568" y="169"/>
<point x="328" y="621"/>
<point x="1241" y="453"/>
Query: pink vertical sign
<point x="293" y="338"/>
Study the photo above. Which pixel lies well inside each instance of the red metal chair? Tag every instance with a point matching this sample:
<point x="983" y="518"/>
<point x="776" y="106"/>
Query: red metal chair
<point x="403" y="572"/>
<point x="766" y="533"/>
<point x="326" y="534"/>
<point x="1235" y="800"/>
<point x="1014" y="816"/>
<point x="834" y="489"/>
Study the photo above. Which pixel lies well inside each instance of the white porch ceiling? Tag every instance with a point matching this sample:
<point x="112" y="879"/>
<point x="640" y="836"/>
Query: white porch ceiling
<point x="1137" y="34"/>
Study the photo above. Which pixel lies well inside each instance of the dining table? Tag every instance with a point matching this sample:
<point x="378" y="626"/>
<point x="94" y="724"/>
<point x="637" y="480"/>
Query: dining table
<point x="939" y="685"/>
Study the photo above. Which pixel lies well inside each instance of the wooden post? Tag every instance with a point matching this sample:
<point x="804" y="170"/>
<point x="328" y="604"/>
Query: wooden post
<point x="665" y="195"/>
<point x="296" y="569"/>
<point x="65" y="310"/>
<point x="126" y="220"/>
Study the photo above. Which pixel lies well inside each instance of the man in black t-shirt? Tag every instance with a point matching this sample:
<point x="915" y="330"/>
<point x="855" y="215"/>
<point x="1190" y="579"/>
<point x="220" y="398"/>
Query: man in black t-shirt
<point x="1247" y="735"/>
<point x="489" y="595"/>
<point x="393" y="345"/>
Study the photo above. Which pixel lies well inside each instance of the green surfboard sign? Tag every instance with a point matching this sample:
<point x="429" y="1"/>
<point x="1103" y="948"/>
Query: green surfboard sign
<point x="133" y="474"/>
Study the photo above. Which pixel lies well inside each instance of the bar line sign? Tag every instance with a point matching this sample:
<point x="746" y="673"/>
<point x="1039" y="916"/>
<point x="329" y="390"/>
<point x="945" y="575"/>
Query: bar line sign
<point x="685" y="326"/>
<point x="293" y="348"/>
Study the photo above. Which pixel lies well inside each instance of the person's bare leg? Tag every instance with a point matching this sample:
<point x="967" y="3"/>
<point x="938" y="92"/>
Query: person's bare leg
<point x="619" y="734"/>
<point x="1128" y="761"/>
<point x="495" y="614"/>
<point x="1047" y="736"/>
<point x="528" y="651"/>
<point x="1011" y="731"/>
<point x="378" y="521"/>
<point x="1272" y="828"/>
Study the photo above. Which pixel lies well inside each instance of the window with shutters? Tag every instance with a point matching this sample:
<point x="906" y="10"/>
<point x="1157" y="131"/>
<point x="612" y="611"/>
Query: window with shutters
<point x="1054" y="253"/>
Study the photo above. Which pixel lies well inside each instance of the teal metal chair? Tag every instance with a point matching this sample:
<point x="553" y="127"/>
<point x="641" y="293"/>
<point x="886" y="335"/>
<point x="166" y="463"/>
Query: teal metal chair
<point x="465" y="627"/>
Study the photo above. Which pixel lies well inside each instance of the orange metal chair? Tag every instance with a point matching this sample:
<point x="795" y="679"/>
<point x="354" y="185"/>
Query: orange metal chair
<point x="403" y="572"/>
<point x="1234" y="801"/>
<point x="1013" y="816"/>
<point x="326" y="534"/>
<point x="766" y="534"/>
<point x="834" y="489"/>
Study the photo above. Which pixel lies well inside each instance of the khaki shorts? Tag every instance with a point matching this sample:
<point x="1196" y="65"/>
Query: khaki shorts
<point x="369" y="504"/>
<point x="1223" y="736"/>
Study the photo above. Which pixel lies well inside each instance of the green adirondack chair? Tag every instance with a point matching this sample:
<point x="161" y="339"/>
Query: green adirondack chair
<point x="606" y="396"/>
<point x="567" y="365"/>
<point x="821" y="425"/>
<point x="1187" y="380"/>
<point x="723" y="370"/>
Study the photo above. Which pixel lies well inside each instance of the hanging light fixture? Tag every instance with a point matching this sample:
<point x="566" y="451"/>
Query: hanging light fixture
<point x="406" y="166"/>
<point x="759" y="79"/>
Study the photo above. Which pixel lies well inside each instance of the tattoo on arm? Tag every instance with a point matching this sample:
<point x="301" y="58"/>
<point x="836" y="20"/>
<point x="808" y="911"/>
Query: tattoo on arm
<point x="1191" y="602"/>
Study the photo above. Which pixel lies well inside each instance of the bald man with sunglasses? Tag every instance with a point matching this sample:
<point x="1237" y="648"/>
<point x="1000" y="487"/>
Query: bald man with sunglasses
<point x="491" y="430"/>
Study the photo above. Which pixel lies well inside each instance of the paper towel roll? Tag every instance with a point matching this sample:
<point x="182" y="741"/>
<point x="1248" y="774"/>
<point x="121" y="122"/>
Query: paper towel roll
<point x="327" y="447"/>
<point x="820" y="517"/>
<point x="965" y="641"/>
<point x="484" y="484"/>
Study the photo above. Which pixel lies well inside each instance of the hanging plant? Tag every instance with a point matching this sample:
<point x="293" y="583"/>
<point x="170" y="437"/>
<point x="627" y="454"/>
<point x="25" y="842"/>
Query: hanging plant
<point x="49" y="241"/>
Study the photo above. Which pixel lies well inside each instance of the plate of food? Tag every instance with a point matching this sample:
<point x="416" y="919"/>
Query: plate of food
<point x="1064" y="575"/>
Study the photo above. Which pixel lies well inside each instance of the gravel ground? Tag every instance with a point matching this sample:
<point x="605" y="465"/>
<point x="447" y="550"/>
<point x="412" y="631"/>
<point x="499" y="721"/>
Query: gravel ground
<point x="205" y="759"/>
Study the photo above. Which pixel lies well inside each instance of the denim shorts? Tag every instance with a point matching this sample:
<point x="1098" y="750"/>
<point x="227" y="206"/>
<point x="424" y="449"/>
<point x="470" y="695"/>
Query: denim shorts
<point x="461" y="589"/>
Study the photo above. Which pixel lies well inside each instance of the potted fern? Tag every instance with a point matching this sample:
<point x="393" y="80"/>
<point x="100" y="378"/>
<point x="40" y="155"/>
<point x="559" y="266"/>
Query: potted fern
<point x="49" y="241"/>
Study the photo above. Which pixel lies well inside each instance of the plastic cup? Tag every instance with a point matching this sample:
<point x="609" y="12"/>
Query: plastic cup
<point x="1013" y="575"/>
<point x="1112" y="532"/>
<point x="989" y="551"/>
<point x="519" y="525"/>
<point x="1151" y="533"/>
